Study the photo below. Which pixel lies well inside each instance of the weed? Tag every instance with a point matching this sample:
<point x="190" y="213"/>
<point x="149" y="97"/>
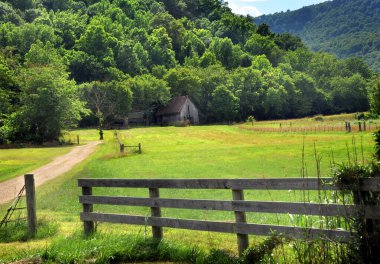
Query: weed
<point x="264" y="250"/>
<point x="18" y="231"/>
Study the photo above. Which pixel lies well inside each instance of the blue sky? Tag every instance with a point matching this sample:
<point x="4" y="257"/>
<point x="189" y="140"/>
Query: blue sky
<point x="260" y="7"/>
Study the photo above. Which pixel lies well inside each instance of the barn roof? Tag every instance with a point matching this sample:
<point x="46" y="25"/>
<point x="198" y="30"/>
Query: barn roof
<point x="174" y="106"/>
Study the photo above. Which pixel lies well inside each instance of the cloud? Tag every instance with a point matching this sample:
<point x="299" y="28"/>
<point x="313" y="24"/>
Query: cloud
<point x="246" y="10"/>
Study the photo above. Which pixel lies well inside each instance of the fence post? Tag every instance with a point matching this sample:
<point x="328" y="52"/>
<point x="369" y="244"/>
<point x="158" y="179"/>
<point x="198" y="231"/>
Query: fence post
<point x="360" y="126"/>
<point x="140" y="148"/>
<point x="156" y="212"/>
<point x="121" y="148"/>
<point x="240" y="217"/>
<point x="78" y="139"/>
<point x="88" y="208"/>
<point x="31" y="203"/>
<point x="365" y="126"/>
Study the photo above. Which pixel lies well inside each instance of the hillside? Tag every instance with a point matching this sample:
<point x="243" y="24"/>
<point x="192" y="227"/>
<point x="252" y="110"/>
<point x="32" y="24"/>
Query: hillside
<point x="95" y="62"/>
<point x="345" y="28"/>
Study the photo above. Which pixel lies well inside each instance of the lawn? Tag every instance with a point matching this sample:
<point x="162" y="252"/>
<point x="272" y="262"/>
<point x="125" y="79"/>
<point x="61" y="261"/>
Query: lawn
<point x="191" y="152"/>
<point x="15" y="162"/>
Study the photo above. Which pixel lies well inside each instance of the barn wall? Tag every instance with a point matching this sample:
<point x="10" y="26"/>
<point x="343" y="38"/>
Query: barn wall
<point x="189" y="109"/>
<point x="169" y="119"/>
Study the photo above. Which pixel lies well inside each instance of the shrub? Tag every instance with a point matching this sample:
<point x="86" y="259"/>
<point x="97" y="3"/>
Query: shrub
<point x="251" y="119"/>
<point x="318" y="118"/>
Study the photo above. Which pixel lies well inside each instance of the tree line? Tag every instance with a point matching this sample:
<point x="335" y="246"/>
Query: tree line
<point x="65" y="62"/>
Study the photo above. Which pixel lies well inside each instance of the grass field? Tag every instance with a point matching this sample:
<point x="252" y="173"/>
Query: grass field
<point x="192" y="152"/>
<point x="15" y="162"/>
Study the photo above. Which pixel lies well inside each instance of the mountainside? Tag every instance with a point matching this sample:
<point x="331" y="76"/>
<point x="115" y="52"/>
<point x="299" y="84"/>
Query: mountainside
<point x="345" y="28"/>
<point x="96" y="61"/>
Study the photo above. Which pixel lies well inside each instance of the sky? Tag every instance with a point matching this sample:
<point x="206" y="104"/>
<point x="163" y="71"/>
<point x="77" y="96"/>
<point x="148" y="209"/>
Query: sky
<point x="261" y="7"/>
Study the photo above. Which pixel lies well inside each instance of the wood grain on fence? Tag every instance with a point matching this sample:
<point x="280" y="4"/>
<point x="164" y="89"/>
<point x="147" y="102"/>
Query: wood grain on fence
<point x="237" y="204"/>
<point x="235" y="184"/>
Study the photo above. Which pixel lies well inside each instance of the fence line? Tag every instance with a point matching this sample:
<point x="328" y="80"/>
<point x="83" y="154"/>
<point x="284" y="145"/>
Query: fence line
<point x="122" y="146"/>
<point x="237" y="204"/>
<point x="359" y="127"/>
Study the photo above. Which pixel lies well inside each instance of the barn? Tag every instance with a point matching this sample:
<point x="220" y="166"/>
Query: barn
<point x="179" y="108"/>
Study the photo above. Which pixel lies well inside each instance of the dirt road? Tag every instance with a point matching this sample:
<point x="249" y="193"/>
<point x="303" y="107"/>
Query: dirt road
<point x="60" y="165"/>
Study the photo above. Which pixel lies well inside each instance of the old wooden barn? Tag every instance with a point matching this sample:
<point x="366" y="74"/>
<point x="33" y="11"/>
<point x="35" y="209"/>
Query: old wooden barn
<point x="179" y="108"/>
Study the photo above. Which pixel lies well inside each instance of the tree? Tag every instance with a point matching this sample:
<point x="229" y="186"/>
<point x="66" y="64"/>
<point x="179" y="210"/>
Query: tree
<point x="148" y="92"/>
<point x="350" y="94"/>
<point x="24" y="36"/>
<point x="251" y="120"/>
<point x="161" y="49"/>
<point x="375" y="96"/>
<point x="85" y="67"/>
<point x="248" y="86"/>
<point x="107" y="100"/>
<point x="263" y="45"/>
<point x="184" y="81"/>
<point x="49" y="103"/>
<point x="226" y="52"/>
<point x="97" y="42"/>
<point x="132" y="58"/>
<point x="224" y="104"/>
<point x="8" y="14"/>
<point x="69" y="26"/>
<point x="44" y="54"/>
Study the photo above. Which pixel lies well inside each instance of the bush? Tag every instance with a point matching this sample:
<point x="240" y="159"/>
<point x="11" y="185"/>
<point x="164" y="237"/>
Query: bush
<point x="251" y="119"/>
<point x="318" y="118"/>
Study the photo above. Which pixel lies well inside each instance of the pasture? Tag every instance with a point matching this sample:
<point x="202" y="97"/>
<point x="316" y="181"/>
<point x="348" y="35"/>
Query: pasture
<point x="15" y="162"/>
<point x="190" y="152"/>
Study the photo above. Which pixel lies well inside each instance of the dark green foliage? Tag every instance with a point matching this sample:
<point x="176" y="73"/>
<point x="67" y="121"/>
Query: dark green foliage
<point x="8" y="14"/>
<point x="346" y="28"/>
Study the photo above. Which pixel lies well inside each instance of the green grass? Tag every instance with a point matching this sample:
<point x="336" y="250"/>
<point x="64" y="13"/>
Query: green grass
<point x="192" y="152"/>
<point x="15" y="162"/>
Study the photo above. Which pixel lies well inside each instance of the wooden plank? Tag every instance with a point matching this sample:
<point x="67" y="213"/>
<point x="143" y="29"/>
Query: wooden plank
<point x="31" y="203"/>
<point x="155" y="212"/>
<point x="372" y="212"/>
<point x="240" y="217"/>
<point x="372" y="184"/>
<point x="236" y="184"/>
<point x="222" y="227"/>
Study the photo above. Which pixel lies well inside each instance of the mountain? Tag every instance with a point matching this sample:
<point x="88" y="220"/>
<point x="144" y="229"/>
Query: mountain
<point x="345" y="28"/>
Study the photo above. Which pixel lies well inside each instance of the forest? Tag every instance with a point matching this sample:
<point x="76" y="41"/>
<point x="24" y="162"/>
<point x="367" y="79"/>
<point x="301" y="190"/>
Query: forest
<point x="346" y="28"/>
<point x="64" y="63"/>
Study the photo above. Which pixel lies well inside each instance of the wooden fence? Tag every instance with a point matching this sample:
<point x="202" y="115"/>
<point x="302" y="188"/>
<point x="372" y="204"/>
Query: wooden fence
<point x="238" y="205"/>
<point x="288" y="127"/>
<point x="122" y="146"/>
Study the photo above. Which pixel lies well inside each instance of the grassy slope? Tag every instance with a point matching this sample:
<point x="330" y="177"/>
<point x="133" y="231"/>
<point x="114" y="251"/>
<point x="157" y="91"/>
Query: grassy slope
<point x="194" y="152"/>
<point x="15" y="162"/>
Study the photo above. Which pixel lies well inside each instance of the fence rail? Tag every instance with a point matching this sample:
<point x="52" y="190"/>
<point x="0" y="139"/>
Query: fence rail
<point x="122" y="146"/>
<point x="237" y="204"/>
